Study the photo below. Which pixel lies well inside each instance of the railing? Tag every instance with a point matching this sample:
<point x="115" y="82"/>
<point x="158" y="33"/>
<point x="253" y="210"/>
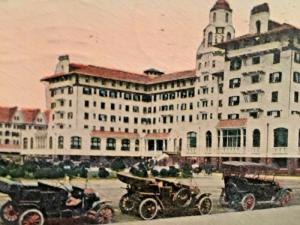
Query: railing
<point x="279" y="150"/>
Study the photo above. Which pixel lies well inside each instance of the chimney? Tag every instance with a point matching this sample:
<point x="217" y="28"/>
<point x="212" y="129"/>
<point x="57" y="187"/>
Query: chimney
<point x="63" y="64"/>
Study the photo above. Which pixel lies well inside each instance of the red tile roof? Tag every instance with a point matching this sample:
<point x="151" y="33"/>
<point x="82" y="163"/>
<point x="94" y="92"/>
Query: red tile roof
<point x="232" y="123"/>
<point x="6" y="113"/>
<point x="29" y="115"/>
<point x="115" y="74"/>
<point x="157" y="135"/>
<point x="110" y="134"/>
<point x="47" y="115"/>
<point x="221" y="4"/>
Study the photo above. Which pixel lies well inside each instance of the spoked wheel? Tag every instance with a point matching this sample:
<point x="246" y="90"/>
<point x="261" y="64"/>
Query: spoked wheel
<point x="127" y="204"/>
<point x="105" y="215"/>
<point x="285" y="198"/>
<point x="205" y="206"/>
<point x="248" y="202"/>
<point x="9" y="214"/>
<point x="31" y="217"/>
<point x="148" y="209"/>
<point x="182" y="198"/>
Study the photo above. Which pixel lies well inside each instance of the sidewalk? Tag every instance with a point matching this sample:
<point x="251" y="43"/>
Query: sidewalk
<point x="275" y="216"/>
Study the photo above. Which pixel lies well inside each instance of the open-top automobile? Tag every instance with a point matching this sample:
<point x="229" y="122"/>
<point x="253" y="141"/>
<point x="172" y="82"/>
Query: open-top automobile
<point x="249" y="184"/>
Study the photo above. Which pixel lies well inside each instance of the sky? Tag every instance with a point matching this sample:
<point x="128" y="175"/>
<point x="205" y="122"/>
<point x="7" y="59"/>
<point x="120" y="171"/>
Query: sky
<point x="130" y="35"/>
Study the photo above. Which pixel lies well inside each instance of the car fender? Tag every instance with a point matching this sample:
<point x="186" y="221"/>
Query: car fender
<point x="278" y="194"/>
<point x="200" y="196"/>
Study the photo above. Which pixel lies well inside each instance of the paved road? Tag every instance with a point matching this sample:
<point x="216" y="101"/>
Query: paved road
<point x="112" y="189"/>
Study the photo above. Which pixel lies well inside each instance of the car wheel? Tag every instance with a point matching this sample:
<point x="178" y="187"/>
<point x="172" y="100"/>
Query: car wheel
<point x="285" y="198"/>
<point x="127" y="204"/>
<point x="31" y="217"/>
<point x="248" y="202"/>
<point x="9" y="214"/>
<point x="205" y="206"/>
<point x="182" y="198"/>
<point x="148" y="209"/>
<point x="105" y="215"/>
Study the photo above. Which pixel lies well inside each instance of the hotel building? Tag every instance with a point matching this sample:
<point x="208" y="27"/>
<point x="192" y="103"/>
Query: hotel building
<point x="241" y="102"/>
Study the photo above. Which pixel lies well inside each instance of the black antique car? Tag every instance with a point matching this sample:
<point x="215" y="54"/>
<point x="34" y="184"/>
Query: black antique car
<point x="249" y="184"/>
<point x="147" y="197"/>
<point x="44" y="203"/>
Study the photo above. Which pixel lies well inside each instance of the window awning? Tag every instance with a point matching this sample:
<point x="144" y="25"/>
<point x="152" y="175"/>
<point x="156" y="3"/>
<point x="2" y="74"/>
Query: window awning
<point x="232" y="123"/>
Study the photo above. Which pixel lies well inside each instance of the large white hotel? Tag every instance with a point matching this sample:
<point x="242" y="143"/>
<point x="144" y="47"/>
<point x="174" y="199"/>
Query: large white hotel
<point x="241" y="102"/>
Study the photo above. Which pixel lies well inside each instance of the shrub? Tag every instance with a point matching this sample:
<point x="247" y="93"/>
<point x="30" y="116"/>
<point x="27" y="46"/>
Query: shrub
<point x="17" y="173"/>
<point x="154" y="173"/>
<point x="85" y="164"/>
<point x="49" y="173"/>
<point x="30" y="166"/>
<point x="103" y="173"/>
<point x="197" y="170"/>
<point x="186" y="170"/>
<point x="164" y="172"/>
<point x="67" y="164"/>
<point x="139" y="170"/>
<point x="3" y="172"/>
<point x="3" y="162"/>
<point x="118" y="164"/>
<point x="173" y="172"/>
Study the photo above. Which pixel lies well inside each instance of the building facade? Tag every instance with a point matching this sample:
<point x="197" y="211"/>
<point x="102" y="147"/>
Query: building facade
<point x="241" y="102"/>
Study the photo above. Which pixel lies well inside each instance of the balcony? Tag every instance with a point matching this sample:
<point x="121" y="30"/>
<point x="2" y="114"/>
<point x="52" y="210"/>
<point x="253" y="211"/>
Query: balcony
<point x="280" y="151"/>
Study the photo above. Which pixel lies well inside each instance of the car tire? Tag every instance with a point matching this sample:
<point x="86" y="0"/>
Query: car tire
<point x="205" y="205"/>
<point x="248" y="202"/>
<point x="9" y="214"/>
<point x="127" y="204"/>
<point x="31" y="217"/>
<point x="105" y="215"/>
<point x="285" y="198"/>
<point x="148" y="209"/>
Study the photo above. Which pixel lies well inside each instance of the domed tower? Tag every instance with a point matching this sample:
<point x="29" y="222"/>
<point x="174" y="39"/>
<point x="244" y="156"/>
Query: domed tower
<point x="220" y="26"/>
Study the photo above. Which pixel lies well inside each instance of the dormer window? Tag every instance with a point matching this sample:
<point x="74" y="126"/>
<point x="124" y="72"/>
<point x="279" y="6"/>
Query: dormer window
<point x="258" y="26"/>
<point x="210" y="39"/>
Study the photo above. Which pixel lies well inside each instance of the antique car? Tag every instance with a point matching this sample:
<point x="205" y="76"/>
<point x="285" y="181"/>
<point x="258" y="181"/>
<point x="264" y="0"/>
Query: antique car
<point x="249" y="184"/>
<point x="147" y="197"/>
<point x="37" y="204"/>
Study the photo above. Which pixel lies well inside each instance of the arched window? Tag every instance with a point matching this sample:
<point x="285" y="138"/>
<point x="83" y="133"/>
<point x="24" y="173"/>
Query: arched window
<point x="227" y="17"/>
<point x="50" y="142"/>
<point x="214" y="17"/>
<point x="6" y="141"/>
<point x="192" y="139"/>
<point x="208" y="139"/>
<point x="210" y="39"/>
<point x="75" y="142"/>
<point x="110" y="144"/>
<point x="256" y="138"/>
<point x="31" y="143"/>
<point x="228" y="36"/>
<point x="281" y="137"/>
<point x="95" y="143"/>
<point x="60" y="142"/>
<point x="137" y="145"/>
<point x="258" y="26"/>
<point x="25" y="143"/>
<point x="7" y="133"/>
<point x="125" y="145"/>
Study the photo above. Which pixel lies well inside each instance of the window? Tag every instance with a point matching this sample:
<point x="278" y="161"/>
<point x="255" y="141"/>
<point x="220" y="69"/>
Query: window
<point x="297" y="57"/>
<point x="125" y="145"/>
<point x="231" y="138"/>
<point x="253" y="97"/>
<point x="255" y="60"/>
<point x="227" y="17"/>
<point x="296" y="77"/>
<point x="234" y="100"/>
<point x="276" y="113"/>
<point x="192" y="139"/>
<point x="102" y="105"/>
<point x="31" y="143"/>
<point x="255" y="79"/>
<point x="86" y="116"/>
<point x="210" y="39"/>
<point x="60" y="143"/>
<point x="75" y="142"/>
<point x="276" y="57"/>
<point x="256" y="138"/>
<point x="214" y="17"/>
<point x="296" y="96"/>
<point x="86" y="91"/>
<point x="208" y="139"/>
<point x="258" y="26"/>
<point x="25" y="143"/>
<point x="112" y="106"/>
<point x="228" y="36"/>
<point x="235" y="83"/>
<point x="110" y="144"/>
<point x="274" y="96"/>
<point x="137" y="145"/>
<point x="235" y="64"/>
<point x="275" y="77"/>
<point x="298" y="141"/>
<point x="50" y="142"/>
<point x="103" y="93"/>
<point x="280" y="137"/>
<point x="233" y="116"/>
<point x="126" y="119"/>
<point x="95" y="143"/>
<point x="86" y="104"/>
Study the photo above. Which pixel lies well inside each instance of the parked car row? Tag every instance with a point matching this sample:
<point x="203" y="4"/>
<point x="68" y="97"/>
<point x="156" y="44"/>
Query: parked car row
<point x="244" y="189"/>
